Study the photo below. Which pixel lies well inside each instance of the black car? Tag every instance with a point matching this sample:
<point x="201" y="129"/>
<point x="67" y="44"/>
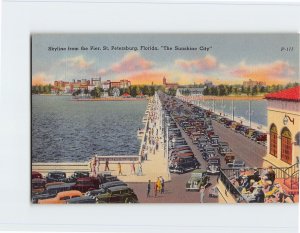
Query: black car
<point x="52" y="191"/>
<point x="189" y="164"/>
<point x="81" y="200"/>
<point x="56" y="176"/>
<point x="119" y="194"/>
<point x="78" y="174"/>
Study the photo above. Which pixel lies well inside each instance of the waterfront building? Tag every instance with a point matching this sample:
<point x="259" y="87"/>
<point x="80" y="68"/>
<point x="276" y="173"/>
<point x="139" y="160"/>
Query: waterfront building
<point x="283" y="127"/>
<point x="106" y="85"/>
<point x="208" y="84"/>
<point x="169" y="85"/>
<point x="96" y="82"/>
<point x="250" y="83"/>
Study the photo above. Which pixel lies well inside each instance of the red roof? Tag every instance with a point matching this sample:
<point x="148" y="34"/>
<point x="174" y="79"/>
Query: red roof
<point x="291" y="94"/>
<point x="126" y="94"/>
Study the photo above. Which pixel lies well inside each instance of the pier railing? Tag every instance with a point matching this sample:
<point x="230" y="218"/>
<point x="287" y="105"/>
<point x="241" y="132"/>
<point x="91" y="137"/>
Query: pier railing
<point x="118" y="158"/>
<point x="225" y="175"/>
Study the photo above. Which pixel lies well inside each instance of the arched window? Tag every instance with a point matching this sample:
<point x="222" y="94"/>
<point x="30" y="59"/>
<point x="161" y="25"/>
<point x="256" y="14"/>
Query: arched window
<point x="273" y="140"/>
<point x="297" y="139"/>
<point x="286" y="145"/>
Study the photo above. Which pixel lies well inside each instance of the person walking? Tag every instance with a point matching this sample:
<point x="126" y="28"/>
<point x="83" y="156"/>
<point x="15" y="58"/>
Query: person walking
<point x="155" y="189"/>
<point x="94" y="165"/>
<point x="148" y="188"/>
<point x="162" y="185"/>
<point x="158" y="183"/>
<point x="106" y="165"/>
<point x="202" y="192"/>
<point x="98" y="165"/>
<point x="120" y="169"/>
<point x="132" y="168"/>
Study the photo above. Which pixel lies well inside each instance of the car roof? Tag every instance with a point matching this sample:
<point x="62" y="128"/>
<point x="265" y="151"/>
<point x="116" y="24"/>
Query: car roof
<point x="64" y="185"/>
<point x="118" y="188"/>
<point x="199" y="171"/>
<point x="56" y="172"/>
<point x="81" y="198"/>
<point x="69" y="192"/>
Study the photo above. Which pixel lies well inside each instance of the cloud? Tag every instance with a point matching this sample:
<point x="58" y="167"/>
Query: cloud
<point x="131" y="62"/>
<point x="41" y="79"/>
<point x="207" y="63"/>
<point x="78" y="63"/>
<point x="271" y="73"/>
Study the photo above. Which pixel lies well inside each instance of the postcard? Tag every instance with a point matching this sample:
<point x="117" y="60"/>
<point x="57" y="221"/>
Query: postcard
<point x="165" y="118"/>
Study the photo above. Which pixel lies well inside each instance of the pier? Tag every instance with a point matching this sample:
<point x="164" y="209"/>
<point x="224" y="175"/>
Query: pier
<point x="154" y="163"/>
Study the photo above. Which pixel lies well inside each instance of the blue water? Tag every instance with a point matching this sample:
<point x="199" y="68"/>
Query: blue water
<point x="71" y="131"/>
<point x="241" y="109"/>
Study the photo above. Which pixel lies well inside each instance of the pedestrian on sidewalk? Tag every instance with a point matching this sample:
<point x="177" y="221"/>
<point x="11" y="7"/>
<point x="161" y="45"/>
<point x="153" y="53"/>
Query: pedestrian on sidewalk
<point x="98" y="165"/>
<point x="120" y="169"/>
<point x="148" y="188"/>
<point x="202" y="192"/>
<point x="158" y="183"/>
<point x="94" y="165"/>
<point x="162" y="185"/>
<point x="155" y="189"/>
<point x="146" y="154"/>
<point x="106" y="165"/>
<point x="132" y="168"/>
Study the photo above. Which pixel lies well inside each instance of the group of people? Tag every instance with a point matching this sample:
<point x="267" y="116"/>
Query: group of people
<point x="95" y="167"/>
<point x="260" y="188"/>
<point x="158" y="187"/>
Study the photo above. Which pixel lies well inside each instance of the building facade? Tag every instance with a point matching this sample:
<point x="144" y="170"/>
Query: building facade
<point x="283" y="127"/>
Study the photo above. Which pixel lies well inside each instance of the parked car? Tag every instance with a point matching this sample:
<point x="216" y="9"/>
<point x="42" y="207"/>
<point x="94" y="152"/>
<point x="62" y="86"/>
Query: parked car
<point x="112" y="184"/>
<point x="61" y="197"/>
<point x="229" y="158"/>
<point x="187" y="164"/>
<point x="56" y="176"/>
<point x="81" y="200"/>
<point x="198" y="178"/>
<point x="214" y="140"/>
<point x="86" y="184"/>
<point x="37" y="186"/>
<point x="52" y="191"/>
<point x="118" y="194"/>
<point x="224" y="150"/>
<point x="36" y="175"/>
<point x="105" y="177"/>
<point x="237" y="164"/>
<point x="214" y="192"/>
<point x="78" y="174"/>
<point x="213" y="165"/>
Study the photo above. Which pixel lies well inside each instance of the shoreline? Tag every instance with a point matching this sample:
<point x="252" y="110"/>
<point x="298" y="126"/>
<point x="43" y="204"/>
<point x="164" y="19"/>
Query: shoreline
<point x="111" y="99"/>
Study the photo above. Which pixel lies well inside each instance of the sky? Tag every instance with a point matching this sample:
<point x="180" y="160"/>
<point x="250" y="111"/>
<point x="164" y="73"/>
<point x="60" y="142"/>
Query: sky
<point x="220" y="58"/>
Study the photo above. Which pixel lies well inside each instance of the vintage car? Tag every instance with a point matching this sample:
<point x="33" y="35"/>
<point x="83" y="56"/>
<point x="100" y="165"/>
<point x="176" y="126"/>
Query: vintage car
<point x="214" y="192"/>
<point x="223" y="150"/>
<point x="81" y="200"/>
<point x="112" y="184"/>
<point x="36" y="175"/>
<point x="103" y="188"/>
<point x="208" y="152"/>
<point x="213" y="165"/>
<point x="61" y="197"/>
<point x="56" y="176"/>
<point x="186" y="164"/>
<point x="86" y="184"/>
<point x="78" y="174"/>
<point x="37" y="186"/>
<point x="237" y="164"/>
<point x="118" y="194"/>
<point x="51" y="191"/>
<point x="198" y="178"/>
<point x="229" y="158"/>
<point x="105" y="177"/>
<point x="214" y="140"/>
